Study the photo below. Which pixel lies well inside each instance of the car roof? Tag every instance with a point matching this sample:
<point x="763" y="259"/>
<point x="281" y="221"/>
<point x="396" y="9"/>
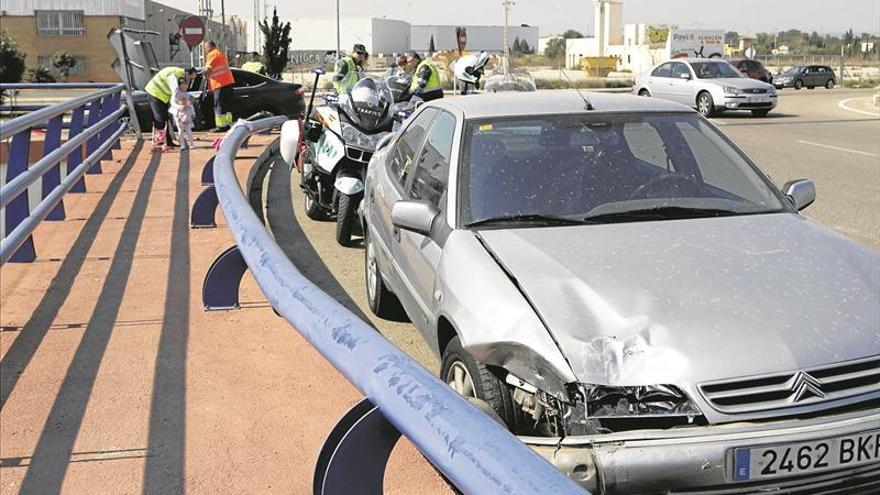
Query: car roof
<point x="691" y="60"/>
<point x="567" y="101"/>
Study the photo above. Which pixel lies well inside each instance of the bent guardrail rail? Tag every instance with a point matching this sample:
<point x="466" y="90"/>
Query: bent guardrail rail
<point x="95" y="123"/>
<point x="473" y="451"/>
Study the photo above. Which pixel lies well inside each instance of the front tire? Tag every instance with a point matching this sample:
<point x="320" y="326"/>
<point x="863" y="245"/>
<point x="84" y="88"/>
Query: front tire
<point x="383" y="303"/>
<point x="705" y="104"/>
<point x="346" y="215"/>
<point x="829" y="84"/>
<point x="798" y="84"/>
<point x="473" y="380"/>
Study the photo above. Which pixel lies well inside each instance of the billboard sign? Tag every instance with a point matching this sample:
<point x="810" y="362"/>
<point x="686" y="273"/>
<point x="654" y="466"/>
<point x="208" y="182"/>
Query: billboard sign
<point x="697" y="43"/>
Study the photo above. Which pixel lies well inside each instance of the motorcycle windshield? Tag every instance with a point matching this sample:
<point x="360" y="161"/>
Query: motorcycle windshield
<point x="367" y="104"/>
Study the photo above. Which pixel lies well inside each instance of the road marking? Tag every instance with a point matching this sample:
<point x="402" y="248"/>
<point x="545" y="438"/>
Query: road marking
<point x="842" y="104"/>
<point x="847" y="150"/>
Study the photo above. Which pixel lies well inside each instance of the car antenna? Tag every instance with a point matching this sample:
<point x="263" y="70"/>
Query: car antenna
<point x="587" y="104"/>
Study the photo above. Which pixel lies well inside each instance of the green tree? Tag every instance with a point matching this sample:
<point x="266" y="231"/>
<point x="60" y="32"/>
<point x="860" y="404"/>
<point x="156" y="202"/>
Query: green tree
<point x="11" y="59"/>
<point x="571" y="33"/>
<point x="555" y="48"/>
<point x="524" y="47"/>
<point x="276" y="45"/>
<point x="516" y="48"/>
<point x="37" y="74"/>
<point x="657" y="34"/>
<point x="431" y="47"/>
<point x="731" y="37"/>
<point x="63" y="63"/>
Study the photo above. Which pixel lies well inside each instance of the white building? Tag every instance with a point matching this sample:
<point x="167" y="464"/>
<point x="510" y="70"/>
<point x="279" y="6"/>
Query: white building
<point x="488" y="38"/>
<point x="379" y="36"/>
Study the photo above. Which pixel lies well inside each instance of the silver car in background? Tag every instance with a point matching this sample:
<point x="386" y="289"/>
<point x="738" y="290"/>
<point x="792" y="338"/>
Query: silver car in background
<point x="615" y="281"/>
<point x="709" y="85"/>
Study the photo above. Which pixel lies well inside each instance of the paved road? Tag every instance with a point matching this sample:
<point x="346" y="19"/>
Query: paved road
<point x="799" y="140"/>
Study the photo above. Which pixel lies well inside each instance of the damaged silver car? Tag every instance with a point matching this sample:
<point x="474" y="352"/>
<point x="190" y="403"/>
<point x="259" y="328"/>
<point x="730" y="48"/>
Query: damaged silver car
<point x="616" y="282"/>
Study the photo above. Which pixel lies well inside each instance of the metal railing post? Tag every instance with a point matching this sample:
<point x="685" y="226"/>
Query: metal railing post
<point x="52" y="178"/>
<point x="18" y="209"/>
<point x="75" y="157"/>
<point x="94" y="141"/>
<point x="109" y="104"/>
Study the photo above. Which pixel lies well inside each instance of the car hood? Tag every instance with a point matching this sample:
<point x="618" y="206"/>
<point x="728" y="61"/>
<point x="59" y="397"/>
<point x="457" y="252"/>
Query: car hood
<point x="686" y="301"/>
<point x="737" y="82"/>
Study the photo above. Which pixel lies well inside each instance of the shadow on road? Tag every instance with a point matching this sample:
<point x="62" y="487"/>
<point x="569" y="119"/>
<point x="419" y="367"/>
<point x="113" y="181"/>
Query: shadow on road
<point x="293" y="241"/>
<point x="164" y="470"/>
<point x="32" y="333"/>
<point x="54" y="448"/>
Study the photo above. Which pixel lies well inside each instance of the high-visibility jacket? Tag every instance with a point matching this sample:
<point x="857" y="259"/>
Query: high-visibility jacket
<point x="346" y="81"/>
<point x="158" y="87"/>
<point x="220" y="75"/>
<point x="433" y="79"/>
<point x="255" y="67"/>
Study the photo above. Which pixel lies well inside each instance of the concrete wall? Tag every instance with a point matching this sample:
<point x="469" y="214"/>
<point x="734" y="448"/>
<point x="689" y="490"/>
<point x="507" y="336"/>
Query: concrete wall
<point x="125" y="8"/>
<point x="488" y="38"/>
<point x="390" y="36"/>
<point x="92" y="44"/>
<point x="377" y="35"/>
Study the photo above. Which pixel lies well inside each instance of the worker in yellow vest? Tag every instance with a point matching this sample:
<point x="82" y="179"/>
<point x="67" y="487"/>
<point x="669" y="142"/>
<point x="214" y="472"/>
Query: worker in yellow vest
<point x="220" y="83"/>
<point x="255" y="65"/>
<point x="426" y="78"/>
<point x="160" y="90"/>
<point x="348" y="69"/>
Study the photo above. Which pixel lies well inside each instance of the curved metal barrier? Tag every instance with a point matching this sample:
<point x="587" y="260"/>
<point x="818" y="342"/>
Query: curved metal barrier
<point x="473" y="451"/>
<point x="95" y="123"/>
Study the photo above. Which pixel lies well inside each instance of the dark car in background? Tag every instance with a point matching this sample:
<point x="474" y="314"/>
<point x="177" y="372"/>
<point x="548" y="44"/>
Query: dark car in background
<point x="252" y="94"/>
<point x="810" y="76"/>
<point x="753" y="69"/>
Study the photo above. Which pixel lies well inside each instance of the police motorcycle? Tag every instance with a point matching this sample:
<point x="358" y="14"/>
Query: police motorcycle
<point x="339" y="140"/>
<point x="405" y="102"/>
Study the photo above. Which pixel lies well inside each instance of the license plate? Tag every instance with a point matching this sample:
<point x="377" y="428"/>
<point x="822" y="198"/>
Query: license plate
<point x="759" y="99"/>
<point x="779" y="460"/>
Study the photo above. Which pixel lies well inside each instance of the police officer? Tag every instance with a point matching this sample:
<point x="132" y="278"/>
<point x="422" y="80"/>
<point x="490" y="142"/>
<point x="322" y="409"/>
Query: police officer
<point x="220" y="81"/>
<point x="160" y="89"/>
<point x="254" y="65"/>
<point x="426" y="78"/>
<point x="348" y="69"/>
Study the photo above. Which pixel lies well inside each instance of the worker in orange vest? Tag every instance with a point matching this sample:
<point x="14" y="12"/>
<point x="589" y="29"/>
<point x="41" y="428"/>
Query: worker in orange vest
<point x="220" y="83"/>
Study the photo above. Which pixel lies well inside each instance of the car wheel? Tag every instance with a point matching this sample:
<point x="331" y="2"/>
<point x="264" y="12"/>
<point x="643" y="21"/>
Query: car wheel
<point x="346" y="213"/>
<point x="829" y="84"/>
<point x="473" y="380"/>
<point x="705" y="104"/>
<point x="645" y="93"/>
<point x="798" y="84"/>
<point x="760" y="113"/>
<point x="383" y="302"/>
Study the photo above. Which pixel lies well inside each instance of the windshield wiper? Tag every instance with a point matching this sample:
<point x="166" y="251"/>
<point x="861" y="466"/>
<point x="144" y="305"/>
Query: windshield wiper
<point x="658" y="213"/>
<point x="533" y="219"/>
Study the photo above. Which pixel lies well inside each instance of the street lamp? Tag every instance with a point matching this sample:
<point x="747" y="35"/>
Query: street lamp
<point x="337" y="31"/>
<point x="507" y="4"/>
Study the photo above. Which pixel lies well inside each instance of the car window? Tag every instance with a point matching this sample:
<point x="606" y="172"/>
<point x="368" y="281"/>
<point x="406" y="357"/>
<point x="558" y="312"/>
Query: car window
<point x="714" y="70"/>
<point x="679" y="68"/>
<point x="404" y="153"/>
<point x="820" y="69"/>
<point x="244" y="78"/>
<point x="664" y="70"/>
<point x="645" y="143"/>
<point x="432" y="171"/>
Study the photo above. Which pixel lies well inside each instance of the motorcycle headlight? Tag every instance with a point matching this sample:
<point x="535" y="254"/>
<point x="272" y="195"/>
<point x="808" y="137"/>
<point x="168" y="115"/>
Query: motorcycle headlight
<point x="643" y="400"/>
<point x="732" y="91"/>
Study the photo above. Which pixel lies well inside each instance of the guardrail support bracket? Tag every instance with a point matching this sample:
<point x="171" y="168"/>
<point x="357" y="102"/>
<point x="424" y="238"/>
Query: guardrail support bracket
<point x="208" y="172"/>
<point x="353" y="458"/>
<point x="204" y="209"/>
<point x="220" y="288"/>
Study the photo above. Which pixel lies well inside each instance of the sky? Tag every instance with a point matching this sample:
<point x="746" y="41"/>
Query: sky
<point x="554" y="16"/>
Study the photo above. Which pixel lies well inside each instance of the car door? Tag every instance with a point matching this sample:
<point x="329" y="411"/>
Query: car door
<point x="388" y="189"/>
<point x="248" y="91"/>
<point x="420" y="254"/>
<point x="659" y="81"/>
<point x="682" y="90"/>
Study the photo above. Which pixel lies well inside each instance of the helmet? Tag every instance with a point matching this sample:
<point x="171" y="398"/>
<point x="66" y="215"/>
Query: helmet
<point x="470" y="67"/>
<point x="402" y="61"/>
<point x="400" y="85"/>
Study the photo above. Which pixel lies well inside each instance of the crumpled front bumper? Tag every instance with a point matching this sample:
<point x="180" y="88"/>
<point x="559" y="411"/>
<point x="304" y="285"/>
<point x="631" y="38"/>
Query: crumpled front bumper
<point x="696" y="459"/>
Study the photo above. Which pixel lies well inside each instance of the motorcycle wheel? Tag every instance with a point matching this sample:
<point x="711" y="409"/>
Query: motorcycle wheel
<point x="346" y="213"/>
<point x="310" y="205"/>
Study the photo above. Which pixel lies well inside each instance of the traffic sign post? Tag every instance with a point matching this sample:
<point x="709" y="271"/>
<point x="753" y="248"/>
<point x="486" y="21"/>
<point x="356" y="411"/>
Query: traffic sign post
<point x="192" y="30"/>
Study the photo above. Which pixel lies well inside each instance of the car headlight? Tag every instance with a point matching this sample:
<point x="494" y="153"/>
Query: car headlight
<point x="732" y="91"/>
<point x="643" y="400"/>
<point x="772" y="91"/>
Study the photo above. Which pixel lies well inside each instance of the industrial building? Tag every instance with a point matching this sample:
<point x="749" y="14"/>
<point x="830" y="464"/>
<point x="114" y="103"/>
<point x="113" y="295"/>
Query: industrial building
<point x="43" y="27"/>
<point x="388" y="36"/>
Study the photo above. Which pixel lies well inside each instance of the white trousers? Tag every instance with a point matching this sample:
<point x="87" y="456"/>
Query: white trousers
<point x="184" y="129"/>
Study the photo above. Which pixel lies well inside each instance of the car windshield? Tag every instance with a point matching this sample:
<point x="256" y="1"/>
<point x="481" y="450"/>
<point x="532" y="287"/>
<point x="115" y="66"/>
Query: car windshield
<point x="597" y="168"/>
<point x="714" y="70"/>
<point x="793" y="70"/>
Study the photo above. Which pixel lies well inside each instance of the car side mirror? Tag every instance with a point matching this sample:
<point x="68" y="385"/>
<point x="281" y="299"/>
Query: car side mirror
<point x="684" y="76"/>
<point x="414" y="216"/>
<point x="801" y="193"/>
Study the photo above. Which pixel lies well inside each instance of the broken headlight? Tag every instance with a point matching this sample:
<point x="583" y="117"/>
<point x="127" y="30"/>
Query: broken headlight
<point x="639" y="401"/>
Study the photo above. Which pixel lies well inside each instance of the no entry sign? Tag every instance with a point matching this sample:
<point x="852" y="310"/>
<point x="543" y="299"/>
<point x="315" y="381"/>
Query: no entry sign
<point x="192" y="30"/>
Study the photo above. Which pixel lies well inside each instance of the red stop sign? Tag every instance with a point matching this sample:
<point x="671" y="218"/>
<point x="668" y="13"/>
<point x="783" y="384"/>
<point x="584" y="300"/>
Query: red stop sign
<point x="192" y="30"/>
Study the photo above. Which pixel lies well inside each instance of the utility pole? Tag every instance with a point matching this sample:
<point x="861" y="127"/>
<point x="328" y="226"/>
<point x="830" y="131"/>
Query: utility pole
<point x="223" y="27"/>
<point x="257" y="25"/>
<point x="338" y="53"/>
<point x="507" y="4"/>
